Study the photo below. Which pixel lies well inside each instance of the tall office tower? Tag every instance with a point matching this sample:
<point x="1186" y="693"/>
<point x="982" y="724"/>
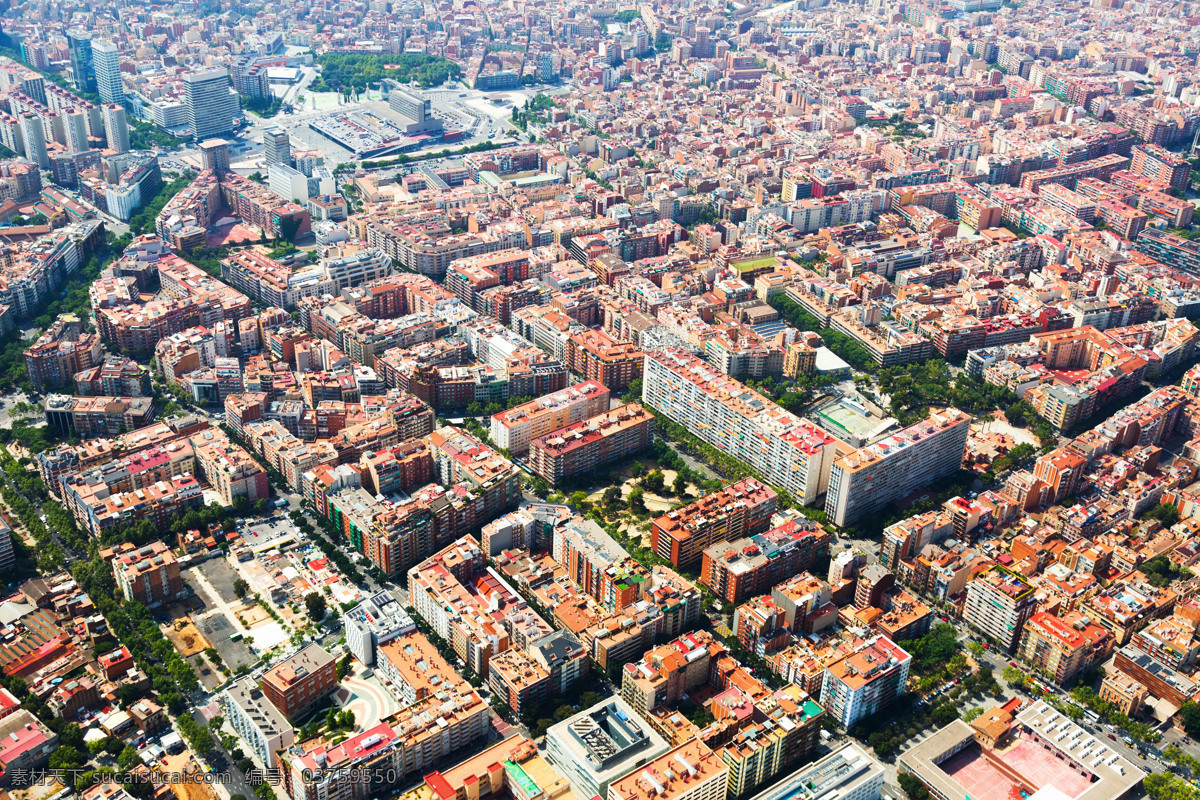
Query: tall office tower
<point x="278" y="148"/>
<point x="107" y="63"/>
<point x="77" y="135"/>
<point x="210" y="102"/>
<point x="214" y="155"/>
<point x="116" y="127"/>
<point x="35" y="140"/>
<point x="82" y="69"/>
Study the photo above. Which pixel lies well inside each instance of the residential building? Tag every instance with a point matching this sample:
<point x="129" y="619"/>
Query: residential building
<point x="107" y="62"/>
<point x="515" y="428"/>
<point x="148" y="574"/>
<point x="691" y="771"/>
<point x="261" y="725"/>
<point x="1160" y="164"/>
<point x="591" y="444"/>
<point x="866" y="681"/>
<point x="598" y="357"/>
<point x="999" y="602"/>
<point x="739" y="510"/>
<point x="784" y="738"/>
<point x="375" y="621"/>
<point x="411" y="741"/>
<point x="738" y="569"/>
<point x="116" y="127"/>
<point x="867" y="480"/>
<point x="297" y="684"/>
<point x="1064" y="647"/>
<point x="788" y="452"/>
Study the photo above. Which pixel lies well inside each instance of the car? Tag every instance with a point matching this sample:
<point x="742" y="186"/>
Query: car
<point x="1112" y="737"/>
<point x="986" y="646"/>
<point x="1012" y="663"/>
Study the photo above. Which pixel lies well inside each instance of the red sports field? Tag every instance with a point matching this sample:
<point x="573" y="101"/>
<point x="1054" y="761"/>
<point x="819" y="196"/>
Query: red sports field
<point x="981" y="781"/>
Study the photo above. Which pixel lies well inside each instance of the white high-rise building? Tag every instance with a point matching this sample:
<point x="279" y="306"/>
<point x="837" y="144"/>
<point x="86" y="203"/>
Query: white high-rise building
<point x="277" y="147"/>
<point x="288" y="183"/>
<point x="789" y="452"/>
<point x="107" y="63"/>
<point x="116" y="127"/>
<point x="210" y="103"/>
<point x="865" y="481"/>
<point x="34" y="136"/>
<point x="77" y="135"/>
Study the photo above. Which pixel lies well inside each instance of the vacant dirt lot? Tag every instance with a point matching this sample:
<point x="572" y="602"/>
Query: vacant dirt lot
<point x="252" y="614"/>
<point x="188" y="640"/>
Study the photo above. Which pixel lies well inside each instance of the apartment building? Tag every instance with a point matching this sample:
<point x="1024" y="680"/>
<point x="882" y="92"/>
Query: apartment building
<point x="515" y="428"/>
<point x="228" y="469"/>
<point x="1064" y="647"/>
<point x="63" y="350"/>
<point x="115" y="376"/>
<point x="691" y="771"/>
<point x="90" y="417"/>
<point x="470" y="606"/>
<point x="545" y="669"/>
<point x="600" y="744"/>
<point x="999" y="602"/>
<point x="865" y="481"/>
<point x="739" y="569"/>
<point x="590" y="556"/>
<point x="785" y="737"/>
<point x="590" y="444"/>
<point x="298" y="683"/>
<point x="787" y="451"/>
<point x="413" y="740"/>
<point x="1125" y="693"/>
<point x="866" y="681"/>
<point x="667" y="672"/>
<point x="598" y="357"/>
<point x="413" y="666"/>
<point x="261" y="725"/>
<point x="739" y="510"/>
<point x="375" y="621"/>
<point x="1127" y="606"/>
<point x="148" y="574"/>
<point x="1159" y="164"/>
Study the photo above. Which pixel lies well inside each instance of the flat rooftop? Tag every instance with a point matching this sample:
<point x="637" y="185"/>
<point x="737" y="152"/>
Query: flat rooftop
<point x="839" y="774"/>
<point x="608" y="740"/>
<point x="1051" y="754"/>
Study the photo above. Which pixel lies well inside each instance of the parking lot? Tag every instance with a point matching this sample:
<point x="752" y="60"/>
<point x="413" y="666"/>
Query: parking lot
<point x="215" y="626"/>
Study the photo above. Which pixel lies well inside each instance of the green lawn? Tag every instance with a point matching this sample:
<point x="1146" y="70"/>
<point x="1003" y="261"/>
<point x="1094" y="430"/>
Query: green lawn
<point x="754" y="263"/>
